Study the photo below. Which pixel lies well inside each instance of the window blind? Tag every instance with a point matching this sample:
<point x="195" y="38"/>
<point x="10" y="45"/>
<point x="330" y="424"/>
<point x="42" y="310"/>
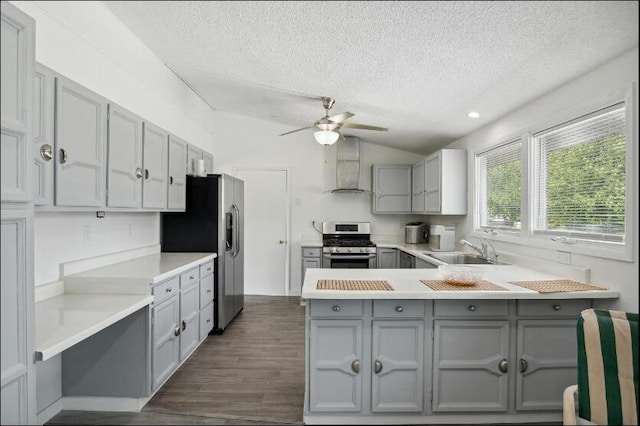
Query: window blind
<point x="580" y="177"/>
<point x="499" y="186"/>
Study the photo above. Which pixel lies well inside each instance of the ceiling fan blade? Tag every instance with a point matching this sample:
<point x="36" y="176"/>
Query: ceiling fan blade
<point x="339" y="118"/>
<point x="363" y="127"/>
<point x="297" y="130"/>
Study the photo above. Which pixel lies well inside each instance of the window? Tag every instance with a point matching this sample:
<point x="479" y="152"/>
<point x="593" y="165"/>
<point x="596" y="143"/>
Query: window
<point x="579" y="188"/>
<point x="499" y="187"/>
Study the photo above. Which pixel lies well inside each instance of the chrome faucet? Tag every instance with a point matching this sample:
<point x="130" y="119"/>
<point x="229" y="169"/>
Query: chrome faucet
<point x="482" y="250"/>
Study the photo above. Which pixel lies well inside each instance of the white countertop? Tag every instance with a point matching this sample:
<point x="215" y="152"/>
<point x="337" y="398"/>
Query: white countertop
<point x="407" y="285"/>
<point x="95" y="299"/>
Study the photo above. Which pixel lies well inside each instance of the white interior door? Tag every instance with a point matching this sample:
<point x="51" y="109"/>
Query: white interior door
<point x="265" y="231"/>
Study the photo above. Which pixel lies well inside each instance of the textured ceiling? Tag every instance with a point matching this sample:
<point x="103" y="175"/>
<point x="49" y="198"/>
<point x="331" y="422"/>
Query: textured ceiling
<point x="417" y="68"/>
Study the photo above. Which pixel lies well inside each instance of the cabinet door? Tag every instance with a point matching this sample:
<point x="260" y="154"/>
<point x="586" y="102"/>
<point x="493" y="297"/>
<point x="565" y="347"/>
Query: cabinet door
<point x="17" y="333"/>
<point x="189" y="319"/>
<point x="468" y="362"/>
<point x="43" y="152"/>
<point x="335" y="360"/>
<point x="391" y="188"/>
<point x="432" y="184"/>
<point x="406" y="260"/>
<point x="208" y="162"/>
<point x="387" y="258"/>
<point x="124" y="172"/>
<point x="310" y="262"/>
<point x="423" y="264"/>
<point x="397" y="382"/>
<point x="155" y="158"/>
<point x="166" y="344"/>
<point x="206" y="320"/>
<point x="547" y="363"/>
<point x="206" y="290"/>
<point x="81" y="119"/>
<point x="177" y="177"/>
<point x="417" y="187"/>
<point x="18" y="57"/>
<point x="193" y="155"/>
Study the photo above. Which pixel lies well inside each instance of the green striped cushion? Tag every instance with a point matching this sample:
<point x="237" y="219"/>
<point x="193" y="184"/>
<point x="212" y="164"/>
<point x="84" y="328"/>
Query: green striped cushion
<point x="608" y="367"/>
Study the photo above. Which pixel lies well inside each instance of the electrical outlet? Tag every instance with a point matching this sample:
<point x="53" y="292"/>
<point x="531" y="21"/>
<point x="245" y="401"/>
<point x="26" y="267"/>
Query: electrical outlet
<point x="564" y="257"/>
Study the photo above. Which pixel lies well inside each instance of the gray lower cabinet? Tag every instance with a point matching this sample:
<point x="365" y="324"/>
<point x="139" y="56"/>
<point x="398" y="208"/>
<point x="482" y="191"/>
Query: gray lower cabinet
<point x="208" y="162"/>
<point x="311" y="258"/>
<point x="406" y="260"/>
<point x="366" y="356"/>
<point x="423" y="264"/>
<point x="387" y="258"/>
<point x="80" y="129"/>
<point x="189" y="319"/>
<point x="177" y="189"/>
<point x="206" y="298"/>
<point x="43" y="151"/>
<point x="165" y="331"/>
<point x="124" y="171"/>
<point x="156" y="167"/>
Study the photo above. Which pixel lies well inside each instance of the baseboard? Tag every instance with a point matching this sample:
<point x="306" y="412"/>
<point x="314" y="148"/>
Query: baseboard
<point x="48" y="413"/>
<point x="97" y="403"/>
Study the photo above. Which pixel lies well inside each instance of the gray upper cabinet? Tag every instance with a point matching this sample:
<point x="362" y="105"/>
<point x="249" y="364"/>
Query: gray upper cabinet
<point x="391" y="188"/>
<point x="193" y="155"/>
<point x="156" y="167"/>
<point x="124" y="172"/>
<point x="177" y="189"/>
<point x="445" y="186"/>
<point x="208" y="162"/>
<point x="18" y="57"/>
<point x="81" y="119"/>
<point x="417" y="187"/>
<point x="43" y="137"/>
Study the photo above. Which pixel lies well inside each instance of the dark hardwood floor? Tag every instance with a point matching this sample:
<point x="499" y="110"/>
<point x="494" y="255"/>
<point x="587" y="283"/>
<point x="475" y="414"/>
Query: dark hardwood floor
<point x="251" y="374"/>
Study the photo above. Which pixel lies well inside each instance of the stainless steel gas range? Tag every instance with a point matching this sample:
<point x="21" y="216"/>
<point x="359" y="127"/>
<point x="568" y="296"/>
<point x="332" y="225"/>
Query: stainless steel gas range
<point x="347" y="245"/>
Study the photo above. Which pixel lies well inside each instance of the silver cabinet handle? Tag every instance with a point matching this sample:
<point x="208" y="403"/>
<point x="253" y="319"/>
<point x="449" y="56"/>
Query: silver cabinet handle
<point x="472" y="308"/>
<point x="176" y="331"/>
<point x="191" y="277"/>
<point x="46" y="152"/>
<point x="399" y="309"/>
<point x="503" y="365"/>
<point x="336" y="308"/>
<point x="523" y="365"/>
<point x="208" y="291"/>
<point x="556" y="307"/>
<point x="355" y="366"/>
<point x="208" y="321"/>
<point x="146" y="173"/>
<point x="63" y="156"/>
<point x="208" y="269"/>
<point x="138" y="172"/>
<point x="170" y="180"/>
<point x="377" y="366"/>
<point x="168" y="290"/>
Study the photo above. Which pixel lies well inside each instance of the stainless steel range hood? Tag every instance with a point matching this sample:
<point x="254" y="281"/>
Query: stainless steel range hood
<point x="348" y="166"/>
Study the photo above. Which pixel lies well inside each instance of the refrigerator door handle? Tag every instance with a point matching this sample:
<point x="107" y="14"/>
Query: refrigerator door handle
<point x="229" y="243"/>
<point x="236" y="230"/>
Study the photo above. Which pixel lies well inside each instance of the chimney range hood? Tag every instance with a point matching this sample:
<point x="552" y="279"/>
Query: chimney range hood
<point x="348" y="166"/>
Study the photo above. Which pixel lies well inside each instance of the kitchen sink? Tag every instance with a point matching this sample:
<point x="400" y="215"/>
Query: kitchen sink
<point x="462" y="258"/>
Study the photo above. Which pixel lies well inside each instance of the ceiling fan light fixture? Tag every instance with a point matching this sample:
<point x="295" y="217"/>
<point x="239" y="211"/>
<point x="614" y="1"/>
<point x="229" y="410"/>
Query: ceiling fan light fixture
<point x="326" y="137"/>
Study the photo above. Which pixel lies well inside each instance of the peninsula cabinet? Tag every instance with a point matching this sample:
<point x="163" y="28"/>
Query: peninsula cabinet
<point x="391" y="188"/>
<point x="366" y="357"/>
<point x="80" y="134"/>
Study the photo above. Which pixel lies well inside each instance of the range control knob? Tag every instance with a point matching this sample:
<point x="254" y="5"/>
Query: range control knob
<point x="350" y="250"/>
<point x="334" y="250"/>
<point x="363" y="250"/>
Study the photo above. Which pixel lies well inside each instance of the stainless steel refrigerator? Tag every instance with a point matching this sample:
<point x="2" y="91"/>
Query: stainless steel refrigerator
<point x="213" y="222"/>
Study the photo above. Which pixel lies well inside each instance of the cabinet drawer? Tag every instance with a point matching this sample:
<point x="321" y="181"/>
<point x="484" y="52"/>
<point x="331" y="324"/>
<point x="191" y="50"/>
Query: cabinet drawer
<point x="189" y="277"/>
<point x="311" y="251"/>
<point x="165" y="290"/>
<point x="206" y="269"/>
<point x="398" y="308"/>
<point x="206" y="320"/>
<point x="336" y="308"/>
<point x="553" y="308"/>
<point x="206" y="290"/>
<point x="468" y="308"/>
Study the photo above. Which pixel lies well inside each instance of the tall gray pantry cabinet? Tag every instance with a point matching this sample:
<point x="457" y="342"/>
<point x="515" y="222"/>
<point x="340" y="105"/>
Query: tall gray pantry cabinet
<point x="17" y="296"/>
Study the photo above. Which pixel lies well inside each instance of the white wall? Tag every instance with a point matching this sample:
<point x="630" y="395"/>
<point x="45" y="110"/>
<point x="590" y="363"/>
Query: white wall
<point x="242" y="142"/>
<point x="85" y="42"/>
<point x="563" y="101"/>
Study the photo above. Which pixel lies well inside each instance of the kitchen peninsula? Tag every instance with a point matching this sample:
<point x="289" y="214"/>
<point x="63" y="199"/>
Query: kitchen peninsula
<point x="417" y="355"/>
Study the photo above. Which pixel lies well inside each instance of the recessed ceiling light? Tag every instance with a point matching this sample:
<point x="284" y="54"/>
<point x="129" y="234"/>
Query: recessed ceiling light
<point x="473" y="114"/>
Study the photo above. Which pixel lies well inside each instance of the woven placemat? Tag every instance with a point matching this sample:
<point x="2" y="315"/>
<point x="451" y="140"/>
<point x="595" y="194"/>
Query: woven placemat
<point x="353" y="285"/>
<point x="480" y="285"/>
<point x="556" y="286"/>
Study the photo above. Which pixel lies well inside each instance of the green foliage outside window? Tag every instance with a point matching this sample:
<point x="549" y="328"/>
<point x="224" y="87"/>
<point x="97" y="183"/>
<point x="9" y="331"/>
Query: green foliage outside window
<point x="503" y="190"/>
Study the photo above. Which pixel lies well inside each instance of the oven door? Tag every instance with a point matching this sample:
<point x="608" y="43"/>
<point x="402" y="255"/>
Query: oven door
<point x="344" y="261"/>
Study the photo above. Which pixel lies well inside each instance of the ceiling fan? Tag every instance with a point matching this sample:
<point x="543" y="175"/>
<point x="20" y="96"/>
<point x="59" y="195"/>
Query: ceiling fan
<point x="328" y="128"/>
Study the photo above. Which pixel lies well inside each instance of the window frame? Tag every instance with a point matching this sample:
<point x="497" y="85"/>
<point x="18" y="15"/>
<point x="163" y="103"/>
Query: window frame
<point x="602" y="249"/>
